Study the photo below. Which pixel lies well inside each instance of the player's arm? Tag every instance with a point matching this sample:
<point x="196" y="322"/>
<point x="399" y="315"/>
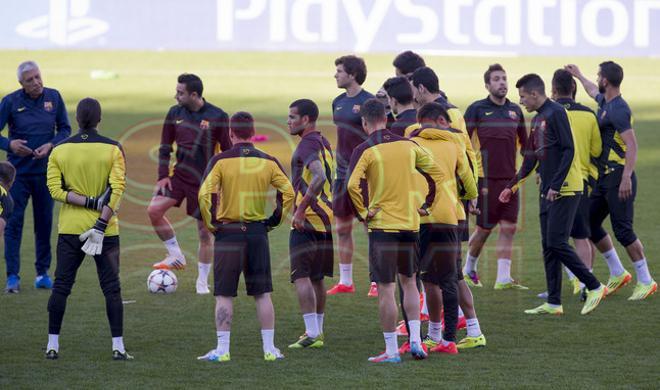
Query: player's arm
<point x="528" y="166"/>
<point x="521" y="132"/>
<point x="589" y="86"/>
<point x="562" y="127"/>
<point x="164" y="152"/>
<point x="458" y="122"/>
<point x="430" y="170"/>
<point x="360" y="161"/>
<point x="313" y="190"/>
<point x="5" y="110"/>
<point x="210" y="185"/>
<point x="221" y="133"/>
<point x="284" y="196"/>
<point x="465" y="175"/>
<point x="117" y="178"/>
<point x="54" y="180"/>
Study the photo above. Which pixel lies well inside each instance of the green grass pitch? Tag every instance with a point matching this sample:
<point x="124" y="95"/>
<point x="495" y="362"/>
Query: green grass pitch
<point x="616" y="346"/>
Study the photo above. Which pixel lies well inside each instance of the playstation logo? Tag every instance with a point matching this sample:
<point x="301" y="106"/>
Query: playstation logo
<point x="66" y="24"/>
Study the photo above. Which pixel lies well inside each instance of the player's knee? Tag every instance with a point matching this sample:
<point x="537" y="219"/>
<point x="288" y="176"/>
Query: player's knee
<point x="154" y="212"/>
<point x="205" y="237"/>
<point x="111" y="288"/>
<point x="508" y="229"/>
<point x="625" y="235"/>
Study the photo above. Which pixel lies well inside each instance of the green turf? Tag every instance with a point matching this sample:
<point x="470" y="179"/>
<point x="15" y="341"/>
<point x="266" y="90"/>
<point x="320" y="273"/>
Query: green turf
<point x="617" y="346"/>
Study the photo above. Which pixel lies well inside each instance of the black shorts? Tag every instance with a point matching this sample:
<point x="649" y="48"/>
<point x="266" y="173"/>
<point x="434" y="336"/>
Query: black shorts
<point x="392" y="253"/>
<point x="580" y="229"/>
<point x="438" y="253"/>
<point x="342" y="206"/>
<point x="241" y="247"/>
<point x="183" y="190"/>
<point x="604" y="200"/>
<point x="311" y="254"/>
<point x="492" y="210"/>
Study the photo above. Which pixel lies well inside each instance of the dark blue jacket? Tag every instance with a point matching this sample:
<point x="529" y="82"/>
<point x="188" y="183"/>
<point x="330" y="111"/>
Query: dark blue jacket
<point x="38" y="121"/>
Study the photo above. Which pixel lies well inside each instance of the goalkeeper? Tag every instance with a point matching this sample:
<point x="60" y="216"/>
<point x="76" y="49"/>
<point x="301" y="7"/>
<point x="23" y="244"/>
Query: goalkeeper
<point x="83" y="165"/>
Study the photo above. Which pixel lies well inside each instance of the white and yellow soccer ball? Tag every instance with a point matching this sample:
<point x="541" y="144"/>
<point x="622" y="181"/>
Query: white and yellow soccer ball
<point x="162" y="281"/>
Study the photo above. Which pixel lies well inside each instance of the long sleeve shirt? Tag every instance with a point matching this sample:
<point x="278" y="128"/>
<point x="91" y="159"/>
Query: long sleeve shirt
<point x="38" y="121"/>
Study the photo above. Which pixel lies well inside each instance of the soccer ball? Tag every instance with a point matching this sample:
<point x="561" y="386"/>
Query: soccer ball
<point x="161" y="281"/>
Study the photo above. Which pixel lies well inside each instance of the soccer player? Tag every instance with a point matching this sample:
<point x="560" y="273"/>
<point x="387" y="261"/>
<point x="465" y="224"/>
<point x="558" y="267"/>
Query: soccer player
<point x="551" y="148"/>
<point x="239" y="178"/>
<point x="197" y="127"/>
<point x="81" y="167"/>
<point x="351" y="72"/>
<point x="438" y="237"/>
<point x="615" y="192"/>
<point x="497" y="129"/>
<point x="310" y="240"/>
<point x="400" y="98"/>
<point x="37" y="120"/>
<point x="588" y="148"/>
<point x="7" y="176"/>
<point x="407" y="62"/>
<point x="392" y="220"/>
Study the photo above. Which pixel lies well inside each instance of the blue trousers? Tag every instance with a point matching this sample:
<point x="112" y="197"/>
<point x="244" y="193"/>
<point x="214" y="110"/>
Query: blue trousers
<point x="42" y="210"/>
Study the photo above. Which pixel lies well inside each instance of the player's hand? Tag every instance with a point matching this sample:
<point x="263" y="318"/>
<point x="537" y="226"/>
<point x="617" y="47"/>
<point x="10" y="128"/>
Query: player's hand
<point x="19" y="147"/>
<point x="93" y="238"/>
<point x="423" y="212"/>
<point x="625" y="188"/>
<point x="161" y="185"/>
<point x="97" y="202"/>
<point x="538" y="179"/>
<point x="372" y="213"/>
<point x="42" y="151"/>
<point x="505" y="195"/>
<point x="472" y="207"/>
<point x="573" y="70"/>
<point x="299" y="219"/>
<point x="552" y="195"/>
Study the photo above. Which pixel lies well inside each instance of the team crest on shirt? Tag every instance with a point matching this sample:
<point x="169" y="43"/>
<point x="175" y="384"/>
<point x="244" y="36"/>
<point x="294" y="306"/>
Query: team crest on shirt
<point x="541" y="126"/>
<point x="204" y="125"/>
<point x="602" y="116"/>
<point x="48" y="106"/>
<point x="356" y="109"/>
<point x="513" y="115"/>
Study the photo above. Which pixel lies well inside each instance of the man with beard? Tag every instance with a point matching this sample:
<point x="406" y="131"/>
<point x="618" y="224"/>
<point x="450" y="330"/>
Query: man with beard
<point x="497" y="129"/>
<point x="615" y="192"/>
<point x="351" y="72"/>
<point x="196" y="127"/>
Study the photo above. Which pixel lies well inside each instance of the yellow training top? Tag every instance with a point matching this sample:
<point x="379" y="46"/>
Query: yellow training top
<point x="86" y="163"/>
<point x="236" y="184"/>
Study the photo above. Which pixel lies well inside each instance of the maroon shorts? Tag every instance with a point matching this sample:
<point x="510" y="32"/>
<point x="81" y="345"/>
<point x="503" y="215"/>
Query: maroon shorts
<point x="492" y="210"/>
<point x="342" y="206"/>
<point x="182" y="190"/>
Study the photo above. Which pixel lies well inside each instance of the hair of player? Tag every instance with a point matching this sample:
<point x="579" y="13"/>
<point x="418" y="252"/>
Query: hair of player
<point x="426" y="76"/>
<point x="431" y="112"/>
<point x="373" y="111"/>
<point x="306" y="107"/>
<point x="88" y="113"/>
<point x="612" y="72"/>
<point x="242" y="125"/>
<point x="354" y="66"/>
<point x="408" y="62"/>
<point x="399" y="88"/>
<point x="491" y="69"/>
<point x="192" y="82"/>
<point x="564" y="83"/>
<point x="25" y="66"/>
<point x="7" y="173"/>
<point x="532" y="82"/>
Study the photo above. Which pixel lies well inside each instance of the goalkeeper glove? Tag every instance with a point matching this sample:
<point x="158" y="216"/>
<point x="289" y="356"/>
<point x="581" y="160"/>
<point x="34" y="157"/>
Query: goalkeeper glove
<point x="97" y="202"/>
<point x="93" y="238"/>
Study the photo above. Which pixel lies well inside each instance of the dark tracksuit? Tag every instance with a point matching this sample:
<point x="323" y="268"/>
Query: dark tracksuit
<point x="551" y="147"/>
<point x="38" y="121"/>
